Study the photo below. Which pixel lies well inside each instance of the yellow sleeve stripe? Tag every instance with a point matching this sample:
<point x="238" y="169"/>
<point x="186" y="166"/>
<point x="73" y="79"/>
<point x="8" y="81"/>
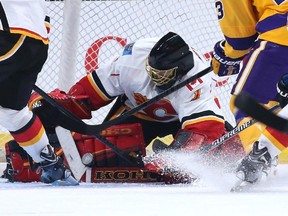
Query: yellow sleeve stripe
<point x="29" y="34"/>
<point x="14" y="48"/>
<point x="202" y="119"/>
<point x="96" y="88"/>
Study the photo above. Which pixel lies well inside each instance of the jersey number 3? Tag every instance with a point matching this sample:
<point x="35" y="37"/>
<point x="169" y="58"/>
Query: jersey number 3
<point x="220" y="9"/>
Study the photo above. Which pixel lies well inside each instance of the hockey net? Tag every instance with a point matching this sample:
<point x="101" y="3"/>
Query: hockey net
<point x="87" y="33"/>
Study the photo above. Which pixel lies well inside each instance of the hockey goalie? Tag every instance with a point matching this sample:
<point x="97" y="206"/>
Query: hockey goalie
<point x="191" y="115"/>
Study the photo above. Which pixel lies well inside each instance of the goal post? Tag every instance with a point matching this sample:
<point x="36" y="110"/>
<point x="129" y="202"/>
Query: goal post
<point x="69" y="44"/>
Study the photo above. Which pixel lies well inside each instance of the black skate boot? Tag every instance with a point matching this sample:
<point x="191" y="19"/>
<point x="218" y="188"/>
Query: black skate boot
<point x="54" y="170"/>
<point x="254" y="165"/>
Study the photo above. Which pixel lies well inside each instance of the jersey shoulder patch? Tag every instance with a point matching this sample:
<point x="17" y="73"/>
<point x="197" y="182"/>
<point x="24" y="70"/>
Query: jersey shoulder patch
<point x="128" y="49"/>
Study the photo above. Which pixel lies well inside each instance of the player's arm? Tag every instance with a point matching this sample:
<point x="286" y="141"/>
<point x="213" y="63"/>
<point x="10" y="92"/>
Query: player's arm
<point x="99" y="89"/>
<point x="237" y="20"/>
<point x="87" y="95"/>
<point x="90" y="93"/>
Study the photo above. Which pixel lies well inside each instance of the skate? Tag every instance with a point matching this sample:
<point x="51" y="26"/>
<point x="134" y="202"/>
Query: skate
<point x="54" y="170"/>
<point x="252" y="167"/>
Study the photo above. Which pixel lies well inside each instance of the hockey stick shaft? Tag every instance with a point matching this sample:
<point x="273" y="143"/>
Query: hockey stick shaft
<point x="248" y="105"/>
<point x="232" y="133"/>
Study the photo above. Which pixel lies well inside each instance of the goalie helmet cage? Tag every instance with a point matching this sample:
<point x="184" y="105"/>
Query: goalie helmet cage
<point x="88" y="33"/>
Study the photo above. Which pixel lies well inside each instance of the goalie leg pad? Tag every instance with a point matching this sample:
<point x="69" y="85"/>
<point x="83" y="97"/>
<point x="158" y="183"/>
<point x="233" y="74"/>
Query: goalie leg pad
<point x="20" y="166"/>
<point x="193" y="141"/>
<point x="188" y="140"/>
<point x="231" y="150"/>
<point x="128" y="137"/>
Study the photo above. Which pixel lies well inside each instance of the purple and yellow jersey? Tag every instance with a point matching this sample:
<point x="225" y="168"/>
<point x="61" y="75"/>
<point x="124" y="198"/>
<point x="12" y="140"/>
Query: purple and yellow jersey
<point x="242" y="21"/>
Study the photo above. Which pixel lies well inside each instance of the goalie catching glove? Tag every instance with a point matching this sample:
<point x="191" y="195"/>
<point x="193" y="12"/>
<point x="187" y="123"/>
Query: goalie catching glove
<point x="222" y="64"/>
<point x="79" y="105"/>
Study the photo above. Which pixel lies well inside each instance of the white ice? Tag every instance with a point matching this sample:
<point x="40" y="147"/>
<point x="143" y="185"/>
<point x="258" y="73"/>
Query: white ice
<point x="210" y="196"/>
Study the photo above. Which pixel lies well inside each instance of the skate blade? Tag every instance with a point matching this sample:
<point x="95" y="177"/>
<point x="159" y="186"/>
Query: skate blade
<point x="69" y="181"/>
<point x="4" y="180"/>
<point x="242" y="186"/>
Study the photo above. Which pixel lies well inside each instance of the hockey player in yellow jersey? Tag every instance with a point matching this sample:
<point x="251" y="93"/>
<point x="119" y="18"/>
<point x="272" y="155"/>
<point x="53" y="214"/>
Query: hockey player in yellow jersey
<point x="256" y="31"/>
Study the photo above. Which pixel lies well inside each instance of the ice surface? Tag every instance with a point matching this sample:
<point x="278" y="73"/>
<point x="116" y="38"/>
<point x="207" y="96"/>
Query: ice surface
<point x="210" y="196"/>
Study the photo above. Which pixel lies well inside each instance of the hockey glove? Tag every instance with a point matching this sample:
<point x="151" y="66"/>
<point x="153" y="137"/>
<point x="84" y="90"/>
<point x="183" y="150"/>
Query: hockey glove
<point x="282" y="89"/>
<point x="79" y="105"/>
<point x="222" y="64"/>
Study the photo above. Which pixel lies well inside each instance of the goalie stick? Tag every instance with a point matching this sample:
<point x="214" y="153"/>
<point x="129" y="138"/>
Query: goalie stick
<point x="234" y="131"/>
<point x="224" y="138"/>
<point x="68" y="120"/>
<point x="248" y="105"/>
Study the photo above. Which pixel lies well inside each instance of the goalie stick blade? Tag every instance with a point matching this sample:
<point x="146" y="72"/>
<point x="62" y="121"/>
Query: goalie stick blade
<point x="249" y="106"/>
<point x="71" y="153"/>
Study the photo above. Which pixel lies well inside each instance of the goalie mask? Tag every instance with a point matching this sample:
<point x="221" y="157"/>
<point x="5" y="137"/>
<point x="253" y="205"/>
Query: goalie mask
<point x="169" y="60"/>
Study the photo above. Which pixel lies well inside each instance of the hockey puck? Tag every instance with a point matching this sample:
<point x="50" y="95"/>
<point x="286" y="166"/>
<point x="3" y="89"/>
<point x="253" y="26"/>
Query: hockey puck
<point x="88" y="159"/>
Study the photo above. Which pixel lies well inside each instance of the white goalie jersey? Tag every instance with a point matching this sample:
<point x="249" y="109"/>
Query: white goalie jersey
<point x="127" y="75"/>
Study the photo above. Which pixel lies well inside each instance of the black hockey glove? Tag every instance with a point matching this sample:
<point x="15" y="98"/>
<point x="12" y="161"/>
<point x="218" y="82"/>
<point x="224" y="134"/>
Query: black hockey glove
<point x="222" y="64"/>
<point x="282" y="89"/>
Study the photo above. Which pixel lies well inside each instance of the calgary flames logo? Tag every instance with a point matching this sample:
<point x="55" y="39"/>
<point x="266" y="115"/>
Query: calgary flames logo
<point x="160" y="110"/>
